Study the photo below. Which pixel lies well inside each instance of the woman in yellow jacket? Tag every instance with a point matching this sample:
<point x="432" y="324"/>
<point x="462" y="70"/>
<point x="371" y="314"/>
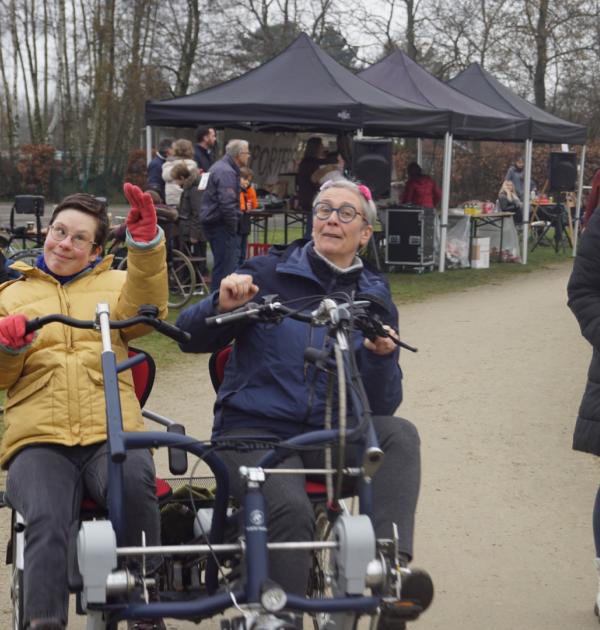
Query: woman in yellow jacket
<point x="54" y="442"/>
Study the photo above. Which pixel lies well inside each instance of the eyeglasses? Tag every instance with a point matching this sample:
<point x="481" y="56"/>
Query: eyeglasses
<point x="60" y="233"/>
<point x="346" y="212"/>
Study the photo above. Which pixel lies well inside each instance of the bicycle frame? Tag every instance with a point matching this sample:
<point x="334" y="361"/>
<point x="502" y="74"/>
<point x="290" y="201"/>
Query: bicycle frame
<point x="255" y="531"/>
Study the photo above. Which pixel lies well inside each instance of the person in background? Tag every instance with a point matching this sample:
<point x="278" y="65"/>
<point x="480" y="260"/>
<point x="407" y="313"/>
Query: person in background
<point x="220" y="209"/>
<point x="155" y="178"/>
<point x="306" y="189"/>
<point x="584" y="302"/>
<point x="420" y="189"/>
<point x="331" y="170"/>
<point x="248" y="201"/>
<point x="593" y="200"/>
<point x="268" y="390"/>
<point x="204" y="150"/>
<point x="190" y="228"/>
<point x="508" y="201"/>
<point x="54" y="443"/>
<point x="183" y="152"/>
<point x="516" y="175"/>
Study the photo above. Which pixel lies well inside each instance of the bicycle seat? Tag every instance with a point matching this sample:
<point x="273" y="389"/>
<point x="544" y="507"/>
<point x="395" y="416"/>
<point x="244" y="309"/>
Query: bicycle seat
<point x="162" y="492"/>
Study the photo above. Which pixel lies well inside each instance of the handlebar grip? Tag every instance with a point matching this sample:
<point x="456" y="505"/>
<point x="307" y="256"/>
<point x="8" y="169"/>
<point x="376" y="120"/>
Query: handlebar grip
<point x="33" y="324"/>
<point x="178" y="335"/>
<point x="228" y="318"/>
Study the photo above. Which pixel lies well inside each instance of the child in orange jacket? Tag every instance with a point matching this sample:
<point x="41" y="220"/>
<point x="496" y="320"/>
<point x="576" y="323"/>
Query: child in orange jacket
<point x="248" y="201"/>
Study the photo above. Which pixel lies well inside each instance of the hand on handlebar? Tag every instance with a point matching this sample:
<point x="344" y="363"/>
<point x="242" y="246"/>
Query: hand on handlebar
<point x="235" y="290"/>
<point x="383" y="345"/>
<point x="12" y="332"/>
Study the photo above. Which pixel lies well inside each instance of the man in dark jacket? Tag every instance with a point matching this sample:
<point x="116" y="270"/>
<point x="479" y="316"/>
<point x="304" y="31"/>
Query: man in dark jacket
<point x="268" y="390"/>
<point x="206" y="139"/>
<point x="155" y="179"/>
<point x="220" y="209"/>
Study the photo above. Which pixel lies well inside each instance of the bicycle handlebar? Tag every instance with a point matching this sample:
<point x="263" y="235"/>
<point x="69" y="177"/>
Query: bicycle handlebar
<point x="159" y="325"/>
<point x="370" y="325"/>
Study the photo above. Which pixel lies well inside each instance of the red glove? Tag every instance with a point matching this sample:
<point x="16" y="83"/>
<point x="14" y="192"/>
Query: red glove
<point x="12" y="332"/>
<point x="141" y="220"/>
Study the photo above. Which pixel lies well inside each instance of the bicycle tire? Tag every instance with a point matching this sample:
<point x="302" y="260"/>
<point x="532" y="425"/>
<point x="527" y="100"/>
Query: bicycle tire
<point x="16" y="584"/>
<point x="28" y="256"/>
<point x="182" y="278"/>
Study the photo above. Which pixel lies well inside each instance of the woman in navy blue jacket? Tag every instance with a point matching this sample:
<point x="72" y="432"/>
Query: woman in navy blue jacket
<point x="268" y="391"/>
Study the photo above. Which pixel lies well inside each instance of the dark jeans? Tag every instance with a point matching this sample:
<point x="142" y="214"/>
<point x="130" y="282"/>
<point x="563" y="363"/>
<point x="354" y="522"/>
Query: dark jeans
<point x="243" y="247"/>
<point x="225" y="249"/>
<point x="290" y="512"/>
<point x="44" y="485"/>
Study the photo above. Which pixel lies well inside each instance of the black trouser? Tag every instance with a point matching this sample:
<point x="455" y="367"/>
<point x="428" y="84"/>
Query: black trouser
<point x="45" y="484"/>
<point x="290" y="512"/>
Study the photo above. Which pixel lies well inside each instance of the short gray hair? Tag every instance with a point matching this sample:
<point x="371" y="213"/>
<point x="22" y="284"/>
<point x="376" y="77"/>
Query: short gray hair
<point x="368" y="207"/>
<point x="235" y="147"/>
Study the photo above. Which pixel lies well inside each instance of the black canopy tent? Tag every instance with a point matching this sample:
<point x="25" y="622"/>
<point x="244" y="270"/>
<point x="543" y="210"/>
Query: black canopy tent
<point x="470" y="119"/>
<point x="479" y="84"/>
<point x="543" y="127"/>
<point x="302" y="88"/>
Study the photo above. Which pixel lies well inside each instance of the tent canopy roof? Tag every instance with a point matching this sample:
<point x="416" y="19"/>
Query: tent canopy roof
<point x="543" y="127"/>
<point x="302" y="88"/>
<point x="403" y="77"/>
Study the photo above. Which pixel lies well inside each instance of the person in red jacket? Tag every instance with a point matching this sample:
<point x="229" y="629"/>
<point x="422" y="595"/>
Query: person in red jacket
<point x="593" y="200"/>
<point x="420" y="189"/>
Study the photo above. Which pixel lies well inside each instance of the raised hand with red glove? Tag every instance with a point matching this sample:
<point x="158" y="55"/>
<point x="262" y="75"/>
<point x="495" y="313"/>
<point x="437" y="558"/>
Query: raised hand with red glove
<point x="141" y="220"/>
<point x="12" y="332"/>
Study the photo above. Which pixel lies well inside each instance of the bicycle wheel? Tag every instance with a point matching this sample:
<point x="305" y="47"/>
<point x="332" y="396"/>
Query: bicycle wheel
<point x="320" y="576"/>
<point x="182" y="279"/>
<point x="16" y="582"/>
<point x="28" y="256"/>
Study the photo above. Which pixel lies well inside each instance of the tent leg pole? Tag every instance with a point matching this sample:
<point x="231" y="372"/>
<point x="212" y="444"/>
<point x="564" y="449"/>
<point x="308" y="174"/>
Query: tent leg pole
<point x="148" y="144"/>
<point x="578" y="202"/>
<point x="445" y="199"/>
<point x="526" y="197"/>
<point x="420" y="151"/>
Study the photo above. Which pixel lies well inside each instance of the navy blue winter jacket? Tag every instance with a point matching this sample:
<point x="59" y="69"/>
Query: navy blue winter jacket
<point x="266" y="383"/>
<point x="155" y="179"/>
<point x="221" y="199"/>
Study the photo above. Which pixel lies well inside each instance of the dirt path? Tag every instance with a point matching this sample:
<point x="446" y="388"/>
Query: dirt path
<point x="504" y="513"/>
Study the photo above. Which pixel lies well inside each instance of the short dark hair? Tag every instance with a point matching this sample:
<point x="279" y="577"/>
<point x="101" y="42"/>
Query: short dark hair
<point x="164" y="145"/>
<point x="89" y="205"/>
<point x="201" y="132"/>
<point x="246" y="172"/>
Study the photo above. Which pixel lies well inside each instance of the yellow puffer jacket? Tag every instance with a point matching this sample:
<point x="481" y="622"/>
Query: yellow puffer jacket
<point x="54" y="388"/>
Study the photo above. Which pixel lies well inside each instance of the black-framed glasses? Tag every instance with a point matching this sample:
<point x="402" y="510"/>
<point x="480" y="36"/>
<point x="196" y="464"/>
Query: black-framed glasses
<point x="346" y="212"/>
<point x="80" y="241"/>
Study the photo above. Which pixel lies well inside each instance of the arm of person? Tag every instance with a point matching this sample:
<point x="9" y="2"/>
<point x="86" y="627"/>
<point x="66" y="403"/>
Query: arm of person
<point x="14" y="344"/>
<point x="437" y="194"/>
<point x="583" y="288"/>
<point x="235" y="290"/>
<point x="380" y="370"/>
<point x="228" y="199"/>
<point x="146" y="280"/>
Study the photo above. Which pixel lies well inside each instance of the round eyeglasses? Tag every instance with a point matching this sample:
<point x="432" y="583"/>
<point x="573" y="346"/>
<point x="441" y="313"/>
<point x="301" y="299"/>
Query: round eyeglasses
<point x="79" y="241"/>
<point x="346" y="212"/>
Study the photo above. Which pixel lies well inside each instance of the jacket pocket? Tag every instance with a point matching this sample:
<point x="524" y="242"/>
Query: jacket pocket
<point x="18" y="393"/>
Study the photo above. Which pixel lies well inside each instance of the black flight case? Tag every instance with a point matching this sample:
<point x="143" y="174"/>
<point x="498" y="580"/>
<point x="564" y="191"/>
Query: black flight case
<point x="409" y="237"/>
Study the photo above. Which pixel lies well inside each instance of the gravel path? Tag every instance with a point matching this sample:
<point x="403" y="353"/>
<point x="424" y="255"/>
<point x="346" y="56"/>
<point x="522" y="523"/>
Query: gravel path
<point x="504" y="513"/>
